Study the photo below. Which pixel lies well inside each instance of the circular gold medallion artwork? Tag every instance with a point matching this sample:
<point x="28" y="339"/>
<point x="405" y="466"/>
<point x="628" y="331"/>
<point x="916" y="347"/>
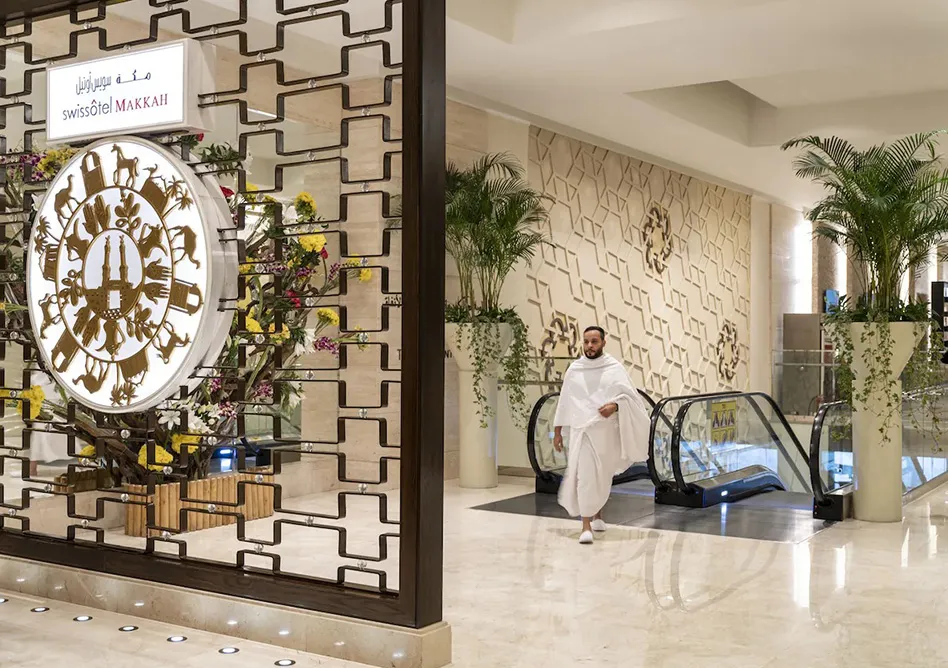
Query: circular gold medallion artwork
<point x="125" y="275"/>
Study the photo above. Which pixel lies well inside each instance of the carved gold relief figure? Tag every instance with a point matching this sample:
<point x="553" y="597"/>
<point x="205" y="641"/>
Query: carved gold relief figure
<point x="123" y="164"/>
<point x="64" y="200"/>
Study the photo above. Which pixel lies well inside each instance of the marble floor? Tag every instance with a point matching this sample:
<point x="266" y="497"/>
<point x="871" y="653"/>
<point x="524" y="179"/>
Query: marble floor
<point x="520" y="592"/>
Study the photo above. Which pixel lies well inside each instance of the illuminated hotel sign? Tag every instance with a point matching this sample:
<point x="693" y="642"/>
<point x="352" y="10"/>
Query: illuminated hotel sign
<point x="149" y="90"/>
<point x="125" y="275"/>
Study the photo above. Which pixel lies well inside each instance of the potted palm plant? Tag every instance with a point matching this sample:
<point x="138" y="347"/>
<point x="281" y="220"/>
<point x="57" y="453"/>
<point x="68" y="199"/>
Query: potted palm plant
<point x="492" y="219"/>
<point x="888" y="207"/>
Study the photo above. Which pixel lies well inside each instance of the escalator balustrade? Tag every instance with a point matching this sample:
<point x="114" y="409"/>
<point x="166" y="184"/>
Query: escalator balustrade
<point x="550" y="465"/>
<point x="726" y="447"/>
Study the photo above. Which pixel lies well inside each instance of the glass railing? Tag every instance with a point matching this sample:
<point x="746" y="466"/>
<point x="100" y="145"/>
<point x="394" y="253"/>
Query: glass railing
<point x="924" y="422"/>
<point x="736" y="438"/>
<point x="803" y="380"/>
<point x="831" y="450"/>
<point x="544" y="458"/>
<point x="660" y="439"/>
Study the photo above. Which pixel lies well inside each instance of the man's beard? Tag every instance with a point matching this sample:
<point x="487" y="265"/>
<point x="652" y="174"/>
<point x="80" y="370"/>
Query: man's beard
<point x="594" y="356"/>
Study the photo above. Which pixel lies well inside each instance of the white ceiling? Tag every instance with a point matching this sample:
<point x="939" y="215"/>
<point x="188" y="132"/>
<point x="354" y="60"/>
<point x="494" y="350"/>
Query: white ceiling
<point x="714" y="86"/>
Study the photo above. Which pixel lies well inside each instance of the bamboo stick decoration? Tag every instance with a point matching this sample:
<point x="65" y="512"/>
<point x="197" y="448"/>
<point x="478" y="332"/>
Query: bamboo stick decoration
<point x="219" y="490"/>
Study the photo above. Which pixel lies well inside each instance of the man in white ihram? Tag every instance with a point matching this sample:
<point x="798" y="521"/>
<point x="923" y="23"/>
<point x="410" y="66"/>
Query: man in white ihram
<point x="608" y="427"/>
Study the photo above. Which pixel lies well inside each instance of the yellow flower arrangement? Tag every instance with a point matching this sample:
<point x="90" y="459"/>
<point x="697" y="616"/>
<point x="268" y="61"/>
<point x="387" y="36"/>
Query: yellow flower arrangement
<point x="305" y="205"/>
<point x="190" y="441"/>
<point x="162" y="457"/>
<point x="282" y="336"/>
<point x="328" y="316"/>
<point x="54" y="160"/>
<point x="35" y="396"/>
<point x="365" y="275"/>
<point x="247" y="266"/>
<point x="87" y="452"/>
<point x="313" y="243"/>
<point x="253" y="325"/>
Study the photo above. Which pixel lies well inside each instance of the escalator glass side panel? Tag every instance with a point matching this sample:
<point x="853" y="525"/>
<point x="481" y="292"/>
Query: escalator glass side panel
<point x="832" y="459"/>
<point x="544" y="457"/>
<point x="661" y="431"/>
<point x="717" y="437"/>
<point x="660" y="446"/>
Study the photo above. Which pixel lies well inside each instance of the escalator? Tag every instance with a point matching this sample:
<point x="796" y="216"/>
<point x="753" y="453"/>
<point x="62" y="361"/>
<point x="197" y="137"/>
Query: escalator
<point x="694" y="459"/>
<point x="726" y="448"/>
<point x="548" y="464"/>
<point x="738" y="447"/>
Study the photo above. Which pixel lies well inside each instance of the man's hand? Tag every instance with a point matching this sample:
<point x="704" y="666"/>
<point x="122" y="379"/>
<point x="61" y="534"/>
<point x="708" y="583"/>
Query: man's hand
<point x="558" y="440"/>
<point x="608" y="410"/>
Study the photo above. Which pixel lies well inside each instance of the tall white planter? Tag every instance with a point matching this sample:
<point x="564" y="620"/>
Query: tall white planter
<point x="878" y="463"/>
<point x="478" y="457"/>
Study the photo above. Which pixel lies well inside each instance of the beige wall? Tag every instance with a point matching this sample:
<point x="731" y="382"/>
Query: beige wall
<point x="664" y="320"/>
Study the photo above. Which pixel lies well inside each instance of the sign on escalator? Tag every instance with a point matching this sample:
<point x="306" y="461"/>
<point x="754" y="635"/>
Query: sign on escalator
<point x="723" y="422"/>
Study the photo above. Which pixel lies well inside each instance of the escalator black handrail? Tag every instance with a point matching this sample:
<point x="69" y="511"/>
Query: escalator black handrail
<point x="816" y="436"/>
<point x="658" y="411"/>
<point x="531" y="436"/>
<point x="532" y="428"/>
<point x="683" y="487"/>
<point x="648" y="399"/>
<point x="770" y="430"/>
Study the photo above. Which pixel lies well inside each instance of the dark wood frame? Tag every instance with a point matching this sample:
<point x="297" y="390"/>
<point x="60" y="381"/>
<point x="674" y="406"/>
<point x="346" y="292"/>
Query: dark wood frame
<point x="419" y="601"/>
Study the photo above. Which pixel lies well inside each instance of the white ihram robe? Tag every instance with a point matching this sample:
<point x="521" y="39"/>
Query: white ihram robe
<point x="599" y="447"/>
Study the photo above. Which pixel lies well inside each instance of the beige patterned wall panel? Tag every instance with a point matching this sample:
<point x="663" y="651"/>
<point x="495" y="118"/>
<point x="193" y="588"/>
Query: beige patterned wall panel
<point x="677" y="309"/>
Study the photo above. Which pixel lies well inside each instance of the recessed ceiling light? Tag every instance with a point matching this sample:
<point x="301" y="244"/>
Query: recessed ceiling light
<point x="128" y="629"/>
<point x="284" y="632"/>
<point x="2" y="601"/>
<point x="228" y="650"/>
<point x="285" y="662"/>
<point x="39" y="609"/>
<point x="139" y="604"/>
<point x="82" y="618"/>
<point x="177" y="639"/>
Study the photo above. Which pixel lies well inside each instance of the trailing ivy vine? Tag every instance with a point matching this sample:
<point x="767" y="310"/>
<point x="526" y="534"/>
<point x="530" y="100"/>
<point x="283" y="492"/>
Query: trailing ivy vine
<point x="482" y="339"/>
<point x="922" y="372"/>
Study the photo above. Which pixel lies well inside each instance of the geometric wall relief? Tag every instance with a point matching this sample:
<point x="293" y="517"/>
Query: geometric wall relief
<point x="659" y="259"/>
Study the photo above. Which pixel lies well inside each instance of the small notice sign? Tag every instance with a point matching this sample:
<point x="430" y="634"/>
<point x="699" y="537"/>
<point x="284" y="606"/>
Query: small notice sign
<point x="723" y="422"/>
<point x="148" y="90"/>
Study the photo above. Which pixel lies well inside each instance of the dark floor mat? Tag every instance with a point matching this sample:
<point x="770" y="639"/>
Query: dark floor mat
<point x="779" y="519"/>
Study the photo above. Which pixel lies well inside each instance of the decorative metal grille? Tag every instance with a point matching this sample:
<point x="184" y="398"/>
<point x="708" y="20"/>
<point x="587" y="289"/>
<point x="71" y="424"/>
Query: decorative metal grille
<point x="309" y="96"/>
